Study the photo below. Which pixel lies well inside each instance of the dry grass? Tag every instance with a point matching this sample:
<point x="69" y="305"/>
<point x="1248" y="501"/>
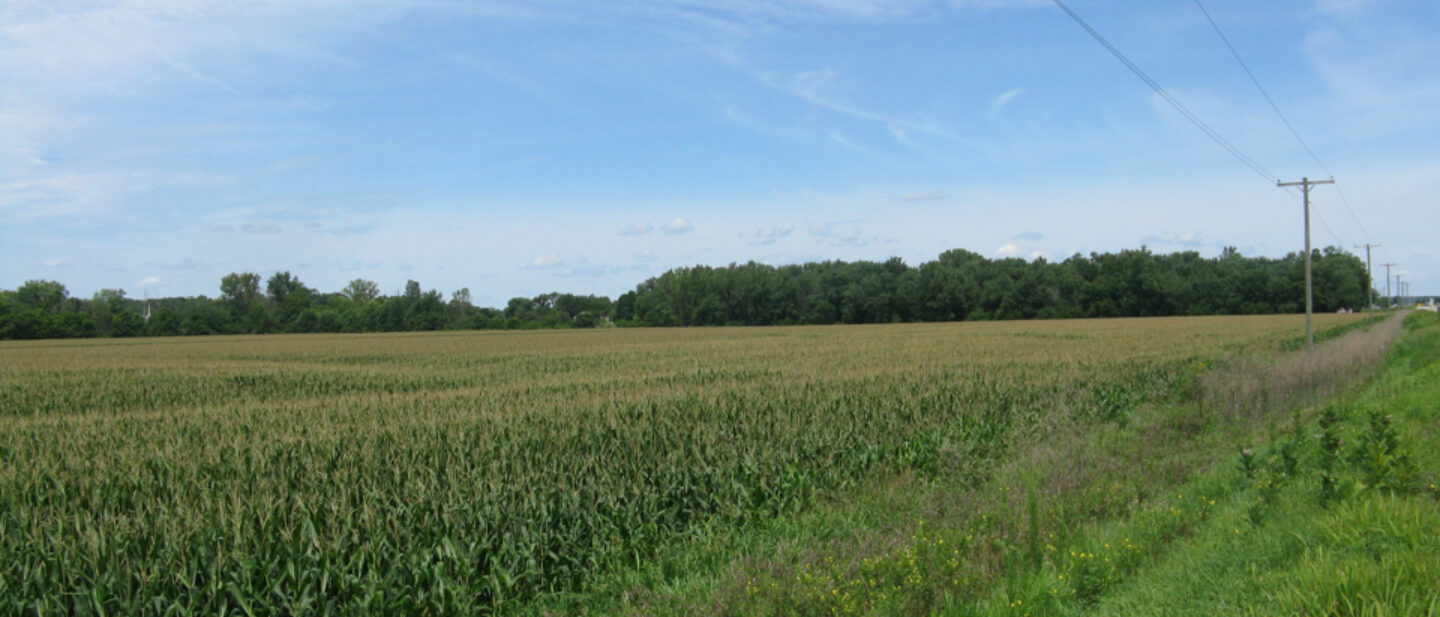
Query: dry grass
<point x="1252" y="387"/>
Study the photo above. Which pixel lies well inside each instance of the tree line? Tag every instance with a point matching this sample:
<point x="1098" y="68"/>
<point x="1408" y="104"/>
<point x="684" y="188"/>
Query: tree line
<point x="959" y="285"/>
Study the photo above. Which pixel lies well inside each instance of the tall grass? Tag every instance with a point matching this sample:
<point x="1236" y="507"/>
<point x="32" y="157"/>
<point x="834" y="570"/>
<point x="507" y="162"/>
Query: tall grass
<point x="1255" y="385"/>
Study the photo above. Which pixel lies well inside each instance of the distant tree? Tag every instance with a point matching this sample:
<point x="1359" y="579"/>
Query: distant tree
<point x="520" y="308"/>
<point x="307" y="320"/>
<point x="238" y="292"/>
<point x="165" y="322"/>
<point x="257" y="321"/>
<point x="296" y="302"/>
<point x="74" y="324"/>
<point x="44" y="296"/>
<point x="327" y="320"/>
<point x="625" y="307"/>
<point x="27" y="323"/>
<point x="361" y="291"/>
<point x="280" y="285"/>
<point x="103" y="305"/>
<point x="126" y="323"/>
<point x="426" y="313"/>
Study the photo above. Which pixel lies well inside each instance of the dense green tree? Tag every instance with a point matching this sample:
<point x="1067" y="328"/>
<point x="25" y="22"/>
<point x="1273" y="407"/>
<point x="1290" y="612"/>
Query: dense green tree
<point x="126" y="323"/>
<point x="75" y="324"/>
<point x="294" y="303"/>
<point x="957" y="285"/>
<point x="164" y="322"/>
<point x="282" y="284"/>
<point x="45" y="296"/>
<point x="238" y="292"/>
<point x="361" y="291"/>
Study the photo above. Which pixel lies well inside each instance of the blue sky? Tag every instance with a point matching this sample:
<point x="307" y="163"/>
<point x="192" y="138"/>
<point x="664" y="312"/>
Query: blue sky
<point x="515" y="148"/>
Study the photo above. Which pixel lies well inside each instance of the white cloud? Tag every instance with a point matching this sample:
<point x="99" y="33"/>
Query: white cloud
<point x="1007" y="250"/>
<point x="544" y="262"/>
<point x="775" y="234"/>
<point x="829" y="234"/>
<point x="53" y="262"/>
<point x="999" y="102"/>
<point x="1187" y="239"/>
<point x="148" y="281"/>
<point x="636" y="229"/>
<point x="822" y="230"/>
<point x="1038" y="254"/>
<point x="678" y="226"/>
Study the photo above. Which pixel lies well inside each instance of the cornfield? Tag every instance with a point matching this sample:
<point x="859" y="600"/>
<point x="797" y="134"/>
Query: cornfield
<point x="468" y="472"/>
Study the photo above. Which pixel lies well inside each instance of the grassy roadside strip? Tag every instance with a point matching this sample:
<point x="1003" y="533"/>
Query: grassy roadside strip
<point x="1067" y="522"/>
<point x="1337" y="515"/>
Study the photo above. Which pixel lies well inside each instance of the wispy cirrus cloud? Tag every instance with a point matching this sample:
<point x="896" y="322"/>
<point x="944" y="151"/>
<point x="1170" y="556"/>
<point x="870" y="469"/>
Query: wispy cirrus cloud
<point x="1004" y="99"/>
<point x="825" y="89"/>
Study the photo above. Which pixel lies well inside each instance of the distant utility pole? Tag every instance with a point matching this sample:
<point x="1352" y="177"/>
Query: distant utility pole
<point x="1370" y="274"/>
<point x="1305" y="184"/>
<point x="1399" y="288"/>
<point x="1387" y="278"/>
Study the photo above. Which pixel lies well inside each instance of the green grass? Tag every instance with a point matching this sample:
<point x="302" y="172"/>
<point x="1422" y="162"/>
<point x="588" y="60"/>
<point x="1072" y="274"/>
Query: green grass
<point x="1177" y="508"/>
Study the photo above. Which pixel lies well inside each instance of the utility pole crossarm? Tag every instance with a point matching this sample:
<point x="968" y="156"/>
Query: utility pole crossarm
<point x="1305" y="184"/>
<point x="1387" y="278"/>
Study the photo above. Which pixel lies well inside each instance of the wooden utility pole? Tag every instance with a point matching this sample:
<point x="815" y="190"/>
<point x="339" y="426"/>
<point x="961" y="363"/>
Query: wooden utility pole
<point x="1368" y="272"/>
<point x="1305" y="184"/>
<point x="1399" y="289"/>
<point x="1387" y="279"/>
<point x="1369" y="297"/>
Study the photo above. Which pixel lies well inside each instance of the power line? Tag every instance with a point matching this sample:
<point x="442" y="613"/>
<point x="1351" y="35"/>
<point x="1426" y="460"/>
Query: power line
<point x="1346" y="200"/>
<point x="1343" y="199"/>
<point x="1261" y="88"/>
<point x="1189" y="115"/>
